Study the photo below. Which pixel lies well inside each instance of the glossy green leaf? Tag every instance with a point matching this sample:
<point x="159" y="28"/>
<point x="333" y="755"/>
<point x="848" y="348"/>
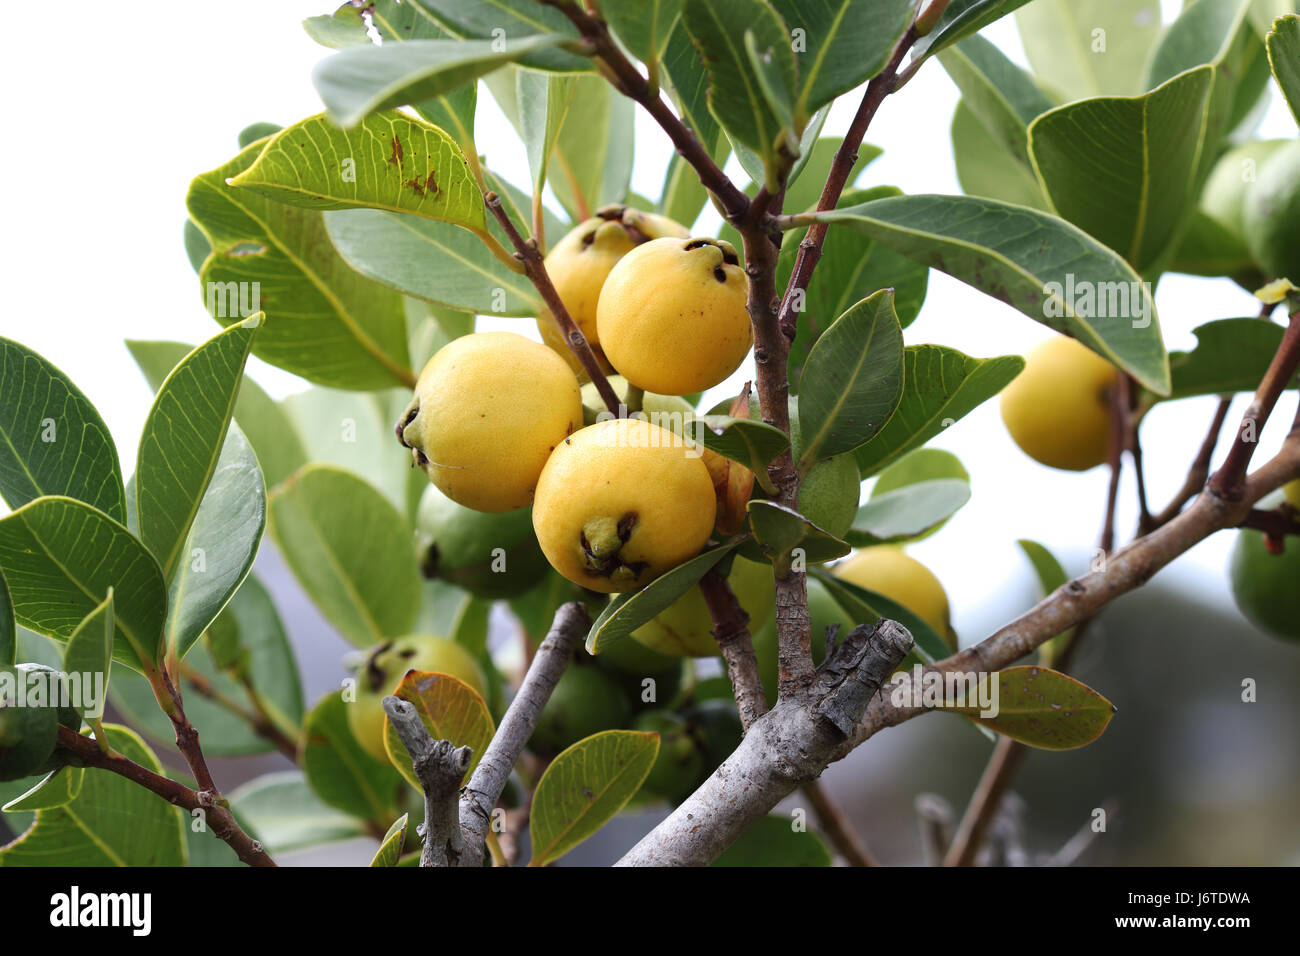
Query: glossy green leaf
<point x="60" y="558"/>
<point x="390" y="847"/>
<point x="284" y="813"/>
<point x="197" y="247"/>
<point x="362" y="80"/>
<point x="999" y="94"/>
<point x="626" y="612"/>
<point x="52" y="440"/>
<point x="338" y="30"/>
<point x="867" y="607"/>
<point x="8" y="628"/>
<point x="350" y="550"/>
<point x="1231" y="355"/>
<point x="585" y="786"/>
<point x="273" y="437"/>
<point x="1089" y="47"/>
<point x="591" y="164"/>
<point x="543" y="100"/>
<point x="111" y="822"/>
<point x="988" y="169"/>
<point x="1042" y="266"/>
<point x="960" y="20"/>
<point x="450" y="710"/>
<point x="940" y="386"/>
<point x="1043" y="708"/>
<point x="781" y="531"/>
<point x="736" y="98"/>
<point x="1050" y="576"/>
<point x="907" y="513"/>
<point x="774" y="841"/>
<point x="1123" y="169"/>
<point x="90" y="651"/>
<point x="755" y="165"/>
<point x="182" y="440"/>
<point x="1209" y="248"/>
<point x="852" y="381"/>
<point x="326" y="322"/>
<point x="684" y="66"/>
<point x="752" y="443"/>
<point x="513" y="21"/>
<point x="245" y="647"/>
<point x="843" y="43"/>
<point x="341" y="772"/>
<point x="643" y="25"/>
<point x="56" y="789"/>
<point x="1284" y="60"/>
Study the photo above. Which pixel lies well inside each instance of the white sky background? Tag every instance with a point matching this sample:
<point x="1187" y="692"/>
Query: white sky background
<point x="94" y="205"/>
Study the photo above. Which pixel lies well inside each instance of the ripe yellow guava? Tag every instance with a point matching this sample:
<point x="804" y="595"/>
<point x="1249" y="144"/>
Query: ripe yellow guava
<point x="621" y="502"/>
<point x="888" y="571"/>
<point x="1264" y="585"/>
<point x="488" y="410"/>
<point x="1058" y="409"/>
<point x="579" y="264"/>
<point x="671" y="316"/>
<point x="386" y="664"/>
<point x="1292" y="492"/>
<point x="685" y="629"/>
<point x="1271" y="214"/>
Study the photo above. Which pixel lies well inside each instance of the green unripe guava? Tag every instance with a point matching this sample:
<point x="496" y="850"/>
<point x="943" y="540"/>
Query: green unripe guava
<point x="1233" y="178"/>
<point x="715" y="725"/>
<point x="1266" y="586"/>
<point x="584" y="702"/>
<point x="631" y="663"/>
<point x="28" y="734"/>
<point x="1271" y="214"/>
<point x="677" y="769"/>
<point x="685" y="628"/>
<point x="490" y="555"/>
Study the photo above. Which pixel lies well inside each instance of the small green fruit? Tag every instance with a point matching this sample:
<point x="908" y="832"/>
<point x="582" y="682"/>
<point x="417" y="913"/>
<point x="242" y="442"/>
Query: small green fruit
<point x="1271" y="214"/>
<point x="28" y="734"/>
<point x="1233" y="178"/>
<point x="678" y="768"/>
<point x="490" y="555"/>
<point x="584" y="702"/>
<point x="631" y="663"/>
<point x="1264" y="584"/>
<point x="715" y="725"/>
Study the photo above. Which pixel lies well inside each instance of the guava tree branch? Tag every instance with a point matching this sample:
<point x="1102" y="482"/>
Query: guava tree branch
<point x="837" y="826"/>
<point x="527" y="252"/>
<point x="731" y="630"/>
<point x="788" y="746"/>
<point x="258" y="721"/>
<point x="439" y="766"/>
<point x="568" y="628"/>
<point x="219" y="818"/>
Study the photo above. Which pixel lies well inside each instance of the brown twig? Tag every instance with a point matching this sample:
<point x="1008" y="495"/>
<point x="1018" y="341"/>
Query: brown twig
<point x="528" y="253"/>
<point x="1276" y="523"/>
<point x="1200" y="469"/>
<point x="257" y="720"/>
<point x="219" y="818"/>
<point x="731" y="630"/>
<point x="837" y="827"/>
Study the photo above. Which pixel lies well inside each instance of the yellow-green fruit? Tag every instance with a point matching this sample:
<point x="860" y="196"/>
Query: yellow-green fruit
<point x="488" y="410"/>
<point x="685" y="629"/>
<point x="621" y="502"/>
<point x="1271" y="214"/>
<point x="889" y="572"/>
<point x="1233" y="178"/>
<point x="671" y="316"/>
<point x="1264" y="584"/>
<point x="386" y="665"/>
<point x="579" y="264"/>
<point x="668" y="411"/>
<point x="1292" y="490"/>
<point x="584" y="702"/>
<point x="1058" y="409"/>
<point x="822" y="612"/>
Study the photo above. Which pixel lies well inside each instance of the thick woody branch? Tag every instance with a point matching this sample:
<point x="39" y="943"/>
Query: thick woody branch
<point x="527" y="252"/>
<point x="568" y="629"/>
<point x="731" y="631"/>
<point x="221" y="821"/>
<point x="787" y="747"/>
<point x="439" y="766"/>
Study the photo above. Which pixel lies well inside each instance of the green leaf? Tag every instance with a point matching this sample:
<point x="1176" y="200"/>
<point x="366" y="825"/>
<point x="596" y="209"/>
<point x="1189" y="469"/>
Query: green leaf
<point x="803" y="193"/>
<point x="591" y="164"/>
<point x="1124" y="169"/>
<point x="182" y="440"/>
<point x="362" y="80"/>
<point x="543" y="100"/>
<point x="338" y="30"/>
<point x="999" y="94"/>
<point x="8" y="629"/>
<point x="755" y="165"/>
<point x="340" y="771"/>
<point x="690" y="89"/>
<point x="907" y="513"/>
<point x="844" y="43"/>
<point x="450" y="710"/>
<point x="867" y="607"/>
<point x="57" y="789"/>
<point x="471" y="628"/>
<point x="960" y="20"/>
<point x="773" y="841"/>
<point x="1284" y="60"/>
<point x="197" y="247"/>
<point x="327" y="323"/>
<point x="61" y="557"/>
<point x="1231" y="355"/>
<point x="261" y="419"/>
<point x="986" y="168"/>
<point x="1089" y="47"/>
<point x="779" y="531"/>
<point x="736" y="98"/>
<point x="256" y="132"/>
<point x="752" y="443"/>
<point x="923" y="464"/>
<point x="111" y="822"/>
<point x="1210" y="248"/>
<point x="90" y="652"/>
<point x="940" y="386"/>
<point x="390" y="847"/>
<point x="52" y="441"/>
<point x="246" y="647"/>
<point x="513" y="21"/>
<point x="1046" y="268"/>
<point x="284" y="813"/>
<point x="626" y="612"/>
<point x="584" y="787"/>
<point x="1043" y="708"/>
<point x="852" y="381"/>
<point x="350" y="550"/>
<point x="1050" y="576"/>
<point x="643" y="25"/>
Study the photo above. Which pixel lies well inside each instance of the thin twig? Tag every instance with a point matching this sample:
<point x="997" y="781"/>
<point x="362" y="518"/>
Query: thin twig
<point x="221" y="821"/>
<point x="936" y="819"/>
<point x="257" y="721"/>
<point x="730" y="629"/>
<point x="1007" y="755"/>
<point x="837" y="827"/>
<point x="1199" y="472"/>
